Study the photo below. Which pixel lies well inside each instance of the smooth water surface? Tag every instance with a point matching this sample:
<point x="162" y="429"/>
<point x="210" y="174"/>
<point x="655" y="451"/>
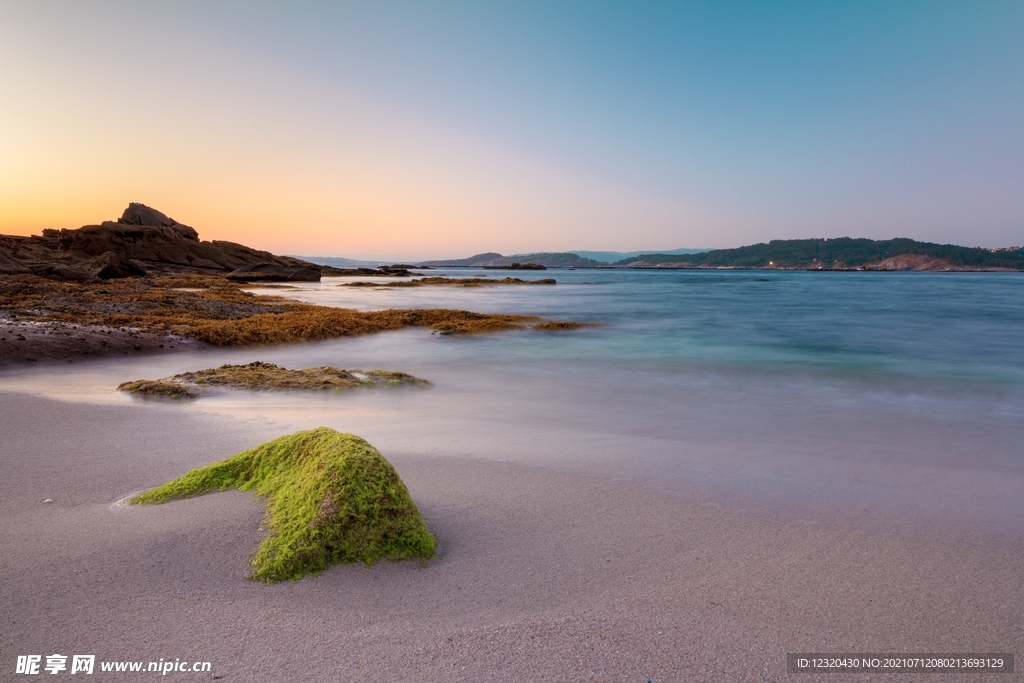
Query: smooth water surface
<point x="849" y="391"/>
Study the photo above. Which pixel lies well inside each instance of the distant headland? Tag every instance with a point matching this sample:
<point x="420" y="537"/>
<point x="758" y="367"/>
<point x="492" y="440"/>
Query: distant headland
<point x="840" y="253"/>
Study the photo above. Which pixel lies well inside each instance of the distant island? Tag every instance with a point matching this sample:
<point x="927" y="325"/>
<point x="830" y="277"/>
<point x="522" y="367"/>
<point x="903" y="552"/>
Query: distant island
<point x="840" y="253"/>
<point x="494" y="260"/>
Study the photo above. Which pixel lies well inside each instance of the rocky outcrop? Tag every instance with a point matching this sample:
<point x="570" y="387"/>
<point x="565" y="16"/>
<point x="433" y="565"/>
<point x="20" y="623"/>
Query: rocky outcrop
<point x="60" y="271"/>
<point x="11" y="266"/>
<point x="142" y="239"/>
<point x="381" y="271"/>
<point x="162" y="245"/>
<point x="140" y="214"/>
<point x="273" y="272"/>
<point x="109" y="265"/>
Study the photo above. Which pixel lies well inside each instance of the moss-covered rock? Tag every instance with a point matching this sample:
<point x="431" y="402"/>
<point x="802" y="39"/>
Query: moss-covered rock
<point x="331" y="498"/>
<point x="157" y="387"/>
<point x="264" y="376"/>
<point x="259" y="376"/>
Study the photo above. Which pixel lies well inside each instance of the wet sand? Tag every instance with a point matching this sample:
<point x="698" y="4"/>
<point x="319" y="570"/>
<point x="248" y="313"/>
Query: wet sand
<point x="30" y="341"/>
<point x="541" y="574"/>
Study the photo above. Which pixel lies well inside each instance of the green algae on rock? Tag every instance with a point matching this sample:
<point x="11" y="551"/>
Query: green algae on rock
<point x="259" y="375"/>
<point x="331" y="498"/>
<point x="264" y="376"/>
<point x="157" y="387"/>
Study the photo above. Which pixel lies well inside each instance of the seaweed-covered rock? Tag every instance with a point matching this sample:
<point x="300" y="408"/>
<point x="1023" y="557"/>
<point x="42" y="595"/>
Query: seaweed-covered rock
<point x="331" y="498"/>
<point x="157" y="387"/>
<point x="261" y="376"/>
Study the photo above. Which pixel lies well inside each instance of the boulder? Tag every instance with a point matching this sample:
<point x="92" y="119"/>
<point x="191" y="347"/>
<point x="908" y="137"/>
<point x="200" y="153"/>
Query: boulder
<point x="140" y="214"/>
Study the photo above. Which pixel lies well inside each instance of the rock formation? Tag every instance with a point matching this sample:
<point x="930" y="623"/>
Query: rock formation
<point x="274" y="272"/>
<point x="142" y="240"/>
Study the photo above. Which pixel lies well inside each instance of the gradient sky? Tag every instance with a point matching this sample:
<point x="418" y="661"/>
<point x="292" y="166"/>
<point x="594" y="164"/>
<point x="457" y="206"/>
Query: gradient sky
<point x="439" y="129"/>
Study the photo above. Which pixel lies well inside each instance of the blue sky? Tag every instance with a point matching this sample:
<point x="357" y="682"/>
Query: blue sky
<point x="437" y="129"/>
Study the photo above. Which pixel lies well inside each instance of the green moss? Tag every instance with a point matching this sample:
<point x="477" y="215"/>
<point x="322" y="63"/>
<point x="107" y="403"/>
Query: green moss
<point x="331" y="498"/>
<point x="157" y="388"/>
<point x="391" y="377"/>
<point x="259" y="376"/>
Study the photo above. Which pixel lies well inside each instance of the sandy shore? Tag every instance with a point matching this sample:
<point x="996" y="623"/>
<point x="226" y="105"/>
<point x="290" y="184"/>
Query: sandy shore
<point x="541" y="575"/>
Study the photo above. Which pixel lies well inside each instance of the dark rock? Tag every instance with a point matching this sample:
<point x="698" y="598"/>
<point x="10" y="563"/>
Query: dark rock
<point x="140" y="214"/>
<point x="109" y="265"/>
<point x="59" y="271"/>
<point x="383" y="271"/>
<point x="165" y="245"/>
<point x="273" y="272"/>
<point x="11" y="266"/>
<point x="143" y="239"/>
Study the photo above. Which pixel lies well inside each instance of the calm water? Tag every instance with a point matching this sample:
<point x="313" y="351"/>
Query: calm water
<point x="894" y="392"/>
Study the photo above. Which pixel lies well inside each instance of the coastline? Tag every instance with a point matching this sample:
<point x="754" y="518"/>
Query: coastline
<point x="64" y="322"/>
<point x="541" y="573"/>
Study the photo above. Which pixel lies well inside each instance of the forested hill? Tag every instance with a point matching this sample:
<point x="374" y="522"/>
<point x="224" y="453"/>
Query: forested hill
<point x="841" y="253"/>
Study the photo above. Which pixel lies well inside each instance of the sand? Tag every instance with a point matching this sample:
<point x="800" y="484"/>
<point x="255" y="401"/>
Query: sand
<point x="29" y="341"/>
<point x="541" y="574"/>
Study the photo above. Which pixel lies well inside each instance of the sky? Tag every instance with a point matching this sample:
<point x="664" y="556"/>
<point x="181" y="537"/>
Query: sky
<point x="415" y="130"/>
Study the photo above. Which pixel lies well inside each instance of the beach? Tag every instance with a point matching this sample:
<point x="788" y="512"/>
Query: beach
<point x="532" y="342"/>
<point x="542" y="573"/>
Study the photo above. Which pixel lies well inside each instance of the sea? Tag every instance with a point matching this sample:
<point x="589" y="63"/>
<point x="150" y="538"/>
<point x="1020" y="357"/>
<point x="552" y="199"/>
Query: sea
<point x="788" y="392"/>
